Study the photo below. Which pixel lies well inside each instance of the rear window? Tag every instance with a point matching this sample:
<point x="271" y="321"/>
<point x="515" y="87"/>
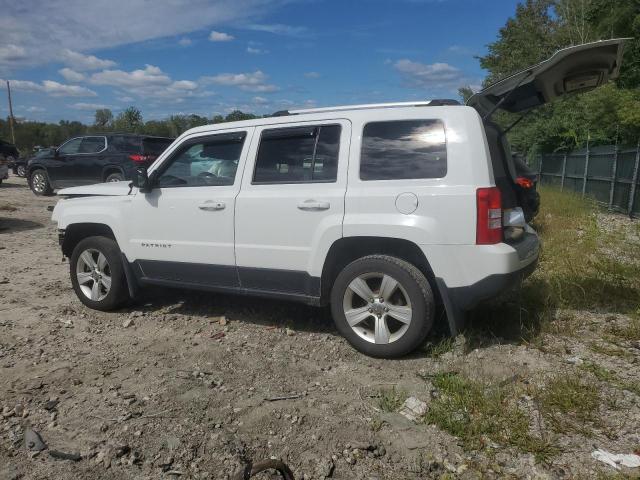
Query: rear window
<point x="405" y="149"/>
<point x="155" y="146"/>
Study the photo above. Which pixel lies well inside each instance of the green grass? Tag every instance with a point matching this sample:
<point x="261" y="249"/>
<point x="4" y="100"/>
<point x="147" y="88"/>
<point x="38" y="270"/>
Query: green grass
<point x="474" y="411"/>
<point x="581" y="267"/>
<point x="439" y="348"/>
<point x="630" y="331"/>
<point x="570" y="403"/>
<point x="391" y="399"/>
<point x="611" y="351"/>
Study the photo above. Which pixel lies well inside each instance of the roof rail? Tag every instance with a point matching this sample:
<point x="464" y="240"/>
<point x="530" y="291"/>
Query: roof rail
<point x="432" y="103"/>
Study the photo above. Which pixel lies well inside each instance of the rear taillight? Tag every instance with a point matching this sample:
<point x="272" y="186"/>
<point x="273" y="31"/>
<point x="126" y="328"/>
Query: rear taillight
<point x="524" y="182"/>
<point x="142" y="158"/>
<point x="489" y="220"/>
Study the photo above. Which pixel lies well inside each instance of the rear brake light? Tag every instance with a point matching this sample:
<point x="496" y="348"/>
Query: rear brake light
<point x="142" y="158"/>
<point x="489" y="219"/>
<point x="524" y="182"/>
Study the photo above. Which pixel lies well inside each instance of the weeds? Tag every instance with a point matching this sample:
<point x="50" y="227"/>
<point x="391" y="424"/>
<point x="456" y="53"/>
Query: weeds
<point x="391" y="399"/>
<point x="610" y="351"/>
<point x="474" y="412"/>
<point x="630" y="331"/>
<point x="569" y="403"/>
<point x="436" y="350"/>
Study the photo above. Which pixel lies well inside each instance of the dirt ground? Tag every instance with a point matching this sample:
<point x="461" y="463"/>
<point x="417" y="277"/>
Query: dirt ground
<point x="182" y="384"/>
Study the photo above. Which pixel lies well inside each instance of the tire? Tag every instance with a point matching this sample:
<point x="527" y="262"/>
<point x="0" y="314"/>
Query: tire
<point x="114" y="177"/>
<point x="21" y="171"/>
<point x="411" y="300"/>
<point x="90" y="285"/>
<point x="39" y="183"/>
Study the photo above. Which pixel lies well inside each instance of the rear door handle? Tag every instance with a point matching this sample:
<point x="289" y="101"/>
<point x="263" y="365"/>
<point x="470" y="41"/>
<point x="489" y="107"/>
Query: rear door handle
<point x="211" y="206"/>
<point x="313" y="205"/>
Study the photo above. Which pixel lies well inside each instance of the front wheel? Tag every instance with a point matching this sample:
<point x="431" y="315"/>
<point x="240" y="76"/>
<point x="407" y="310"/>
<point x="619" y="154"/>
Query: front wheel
<point x="97" y="274"/>
<point x="39" y="183"/>
<point x="114" y="177"/>
<point x="383" y="306"/>
<point x="21" y="171"/>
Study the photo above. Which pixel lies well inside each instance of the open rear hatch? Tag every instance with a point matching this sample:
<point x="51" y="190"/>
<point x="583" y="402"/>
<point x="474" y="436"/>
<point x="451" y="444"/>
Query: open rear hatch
<point x="574" y="69"/>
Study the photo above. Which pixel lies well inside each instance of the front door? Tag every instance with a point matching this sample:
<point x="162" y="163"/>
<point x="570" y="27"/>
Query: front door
<point x="291" y="205"/>
<point x="62" y="168"/>
<point x="183" y="230"/>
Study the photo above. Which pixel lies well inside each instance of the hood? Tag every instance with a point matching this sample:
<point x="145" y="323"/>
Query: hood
<point x="579" y="68"/>
<point x="102" y="189"/>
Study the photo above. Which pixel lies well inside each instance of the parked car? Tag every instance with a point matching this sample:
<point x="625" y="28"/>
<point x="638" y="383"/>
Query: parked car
<point x="19" y="165"/>
<point x="8" y="154"/>
<point x="93" y="159"/>
<point x="385" y="212"/>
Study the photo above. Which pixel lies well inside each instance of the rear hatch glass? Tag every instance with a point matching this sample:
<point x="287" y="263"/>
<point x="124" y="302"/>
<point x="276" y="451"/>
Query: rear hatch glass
<point x="155" y="146"/>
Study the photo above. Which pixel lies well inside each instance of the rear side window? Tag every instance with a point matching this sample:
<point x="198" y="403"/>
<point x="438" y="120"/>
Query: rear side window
<point x="155" y="146"/>
<point x="405" y="149"/>
<point x="126" y="143"/>
<point x="92" y="145"/>
<point x="298" y="155"/>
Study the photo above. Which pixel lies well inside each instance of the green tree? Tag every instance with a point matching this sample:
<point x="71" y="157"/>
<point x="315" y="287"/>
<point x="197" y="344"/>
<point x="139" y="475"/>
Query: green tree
<point x="129" y="120"/>
<point x="103" y="118"/>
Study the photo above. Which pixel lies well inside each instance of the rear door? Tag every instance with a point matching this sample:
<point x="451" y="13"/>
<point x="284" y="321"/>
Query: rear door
<point x="291" y="205"/>
<point x="573" y="69"/>
<point x="88" y="163"/>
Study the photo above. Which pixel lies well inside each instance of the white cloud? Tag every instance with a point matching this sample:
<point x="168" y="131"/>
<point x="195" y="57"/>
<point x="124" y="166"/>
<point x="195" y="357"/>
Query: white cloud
<point x="34" y="109"/>
<point x="82" y="62"/>
<point x="220" y="36"/>
<point x="256" y="51"/>
<point x="434" y="75"/>
<point x="71" y="75"/>
<point x="52" y="88"/>
<point x="280" y="29"/>
<point x="88" y="106"/>
<point x="150" y="75"/>
<point x="35" y="32"/>
<point x="12" y="53"/>
<point x="260" y="100"/>
<point x="250" y="82"/>
<point x="312" y="75"/>
<point x="149" y="82"/>
<point x="185" y="42"/>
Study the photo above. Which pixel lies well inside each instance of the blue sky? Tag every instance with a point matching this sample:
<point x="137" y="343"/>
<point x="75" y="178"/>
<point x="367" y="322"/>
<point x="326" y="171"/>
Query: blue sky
<point x="65" y="58"/>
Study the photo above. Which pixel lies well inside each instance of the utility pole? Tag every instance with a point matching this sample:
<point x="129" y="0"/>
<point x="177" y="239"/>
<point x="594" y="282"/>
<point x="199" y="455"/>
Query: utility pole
<point x="13" y="135"/>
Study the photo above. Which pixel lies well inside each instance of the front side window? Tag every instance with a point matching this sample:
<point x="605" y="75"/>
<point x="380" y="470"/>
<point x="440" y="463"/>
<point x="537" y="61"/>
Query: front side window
<point x="92" y="145"/>
<point x="207" y="162"/>
<point x="71" y="147"/>
<point x="298" y="155"/>
<point x="405" y="149"/>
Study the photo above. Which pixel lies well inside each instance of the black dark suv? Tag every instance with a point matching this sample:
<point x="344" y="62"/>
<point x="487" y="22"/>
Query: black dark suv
<point x="92" y="159"/>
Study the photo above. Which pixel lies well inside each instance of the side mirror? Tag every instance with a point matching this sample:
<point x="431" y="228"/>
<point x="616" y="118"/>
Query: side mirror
<point x="141" y="180"/>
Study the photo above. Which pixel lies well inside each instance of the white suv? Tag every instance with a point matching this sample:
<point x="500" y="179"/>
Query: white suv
<point x="385" y="212"/>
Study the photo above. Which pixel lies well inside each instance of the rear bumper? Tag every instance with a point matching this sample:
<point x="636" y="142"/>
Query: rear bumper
<point x="478" y="273"/>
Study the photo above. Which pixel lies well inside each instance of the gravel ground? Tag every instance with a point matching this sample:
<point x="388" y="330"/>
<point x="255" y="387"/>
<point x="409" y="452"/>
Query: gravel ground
<point x="182" y="384"/>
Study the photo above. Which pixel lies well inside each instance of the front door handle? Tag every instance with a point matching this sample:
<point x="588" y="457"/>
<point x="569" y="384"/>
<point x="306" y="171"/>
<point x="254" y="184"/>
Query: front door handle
<point x="314" y="205"/>
<point x="211" y="206"/>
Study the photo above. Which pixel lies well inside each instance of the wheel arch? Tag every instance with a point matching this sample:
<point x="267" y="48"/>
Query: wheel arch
<point x="109" y="169"/>
<point x="76" y="232"/>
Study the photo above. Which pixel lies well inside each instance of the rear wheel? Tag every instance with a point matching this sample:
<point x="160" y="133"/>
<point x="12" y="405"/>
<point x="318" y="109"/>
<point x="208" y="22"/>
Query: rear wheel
<point x="382" y="305"/>
<point x="114" y="177"/>
<point x="97" y="274"/>
<point x="39" y="183"/>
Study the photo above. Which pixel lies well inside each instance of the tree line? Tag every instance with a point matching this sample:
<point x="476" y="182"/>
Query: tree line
<point x="539" y="27"/>
<point x="30" y="134"/>
<point x="603" y="116"/>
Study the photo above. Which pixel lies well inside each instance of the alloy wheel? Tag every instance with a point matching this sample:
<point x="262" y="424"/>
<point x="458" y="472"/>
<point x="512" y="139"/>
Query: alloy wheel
<point x="377" y="308"/>
<point x="93" y="274"/>
<point x="39" y="182"/>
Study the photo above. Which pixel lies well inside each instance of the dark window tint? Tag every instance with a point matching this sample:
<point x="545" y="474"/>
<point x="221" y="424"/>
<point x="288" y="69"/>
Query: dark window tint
<point x="71" y="147"/>
<point x="92" y="145"/>
<point x="155" y="146"/>
<point x="403" y="150"/>
<point x="298" y="154"/>
<point x="126" y="144"/>
<point x="207" y="162"/>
